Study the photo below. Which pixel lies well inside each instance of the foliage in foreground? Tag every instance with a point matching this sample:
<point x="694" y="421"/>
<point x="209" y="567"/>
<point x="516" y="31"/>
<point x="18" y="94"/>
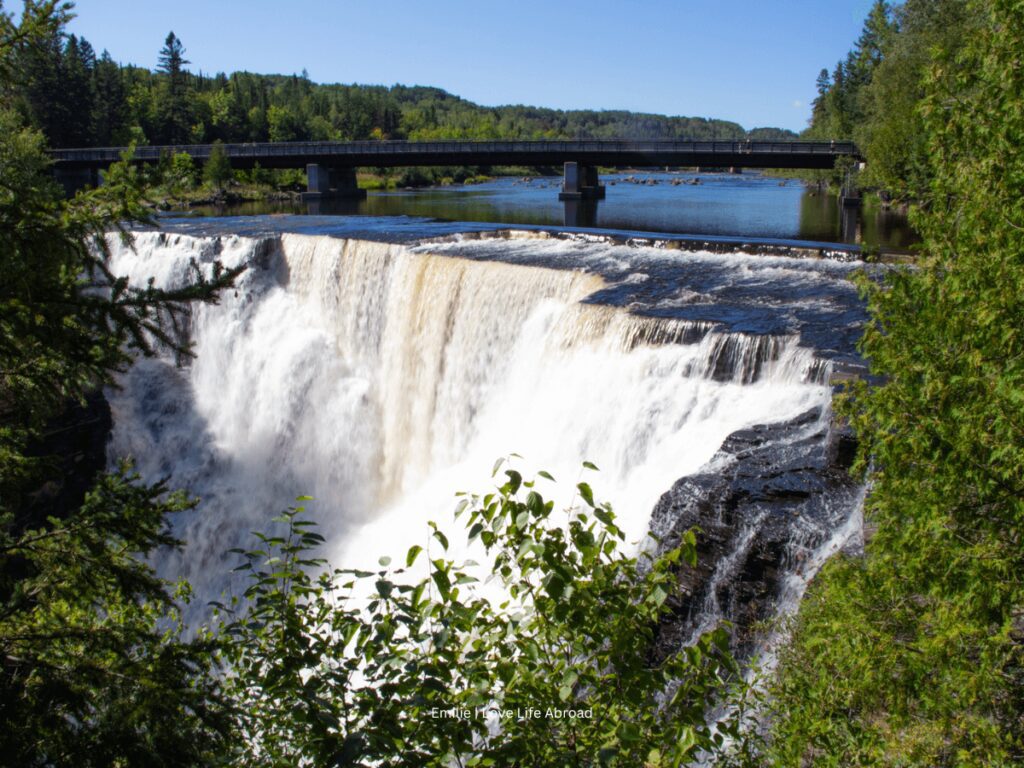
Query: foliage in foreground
<point x="90" y="672"/>
<point x="383" y="668"/>
<point x="95" y="670"/>
<point x="915" y="654"/>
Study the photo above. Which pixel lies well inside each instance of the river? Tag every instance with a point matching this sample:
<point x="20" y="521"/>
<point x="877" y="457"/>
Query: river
<point x="724" y="205"/>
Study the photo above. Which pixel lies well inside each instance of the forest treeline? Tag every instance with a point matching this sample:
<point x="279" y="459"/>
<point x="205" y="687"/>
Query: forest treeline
<point x="80" y="99"/>
<point x="874" y="95"/>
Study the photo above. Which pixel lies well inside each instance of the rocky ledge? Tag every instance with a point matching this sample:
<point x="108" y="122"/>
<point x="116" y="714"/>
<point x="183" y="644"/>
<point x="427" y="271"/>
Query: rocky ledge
<point x="770" y="497"/>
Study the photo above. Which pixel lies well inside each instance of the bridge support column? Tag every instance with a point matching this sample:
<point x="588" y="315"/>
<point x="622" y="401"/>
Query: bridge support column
<point x="323" y="182"/>
<point x="580" y="213"/>
<point x="849" y="217"/>
<point x="592" y="183"/>
<point x="580" y="182"/>
<point x="849" y="212"/>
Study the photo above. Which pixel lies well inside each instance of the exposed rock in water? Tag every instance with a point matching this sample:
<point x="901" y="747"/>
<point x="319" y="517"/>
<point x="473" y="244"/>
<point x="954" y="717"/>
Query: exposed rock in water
<point x="771" y="495"/>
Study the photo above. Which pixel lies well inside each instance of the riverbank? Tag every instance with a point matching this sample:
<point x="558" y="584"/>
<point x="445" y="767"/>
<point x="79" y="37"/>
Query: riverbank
<point x="162" y="199"/>
<point x="169" y="192"/>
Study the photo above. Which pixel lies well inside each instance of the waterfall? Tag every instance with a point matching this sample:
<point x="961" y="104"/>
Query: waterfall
<point x="380" y="379"/>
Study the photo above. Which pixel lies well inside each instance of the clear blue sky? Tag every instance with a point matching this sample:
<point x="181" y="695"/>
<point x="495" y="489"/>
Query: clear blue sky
<point x="752" y="61"/>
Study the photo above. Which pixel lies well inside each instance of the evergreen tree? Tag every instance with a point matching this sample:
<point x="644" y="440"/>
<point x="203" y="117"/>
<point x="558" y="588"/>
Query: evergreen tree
<point x="92" y="669"/>
<point x="838" y="123"/>
<point x="818" y="107"/>
<point x="893" y="134"/>
<point x="174" y="110"/>
<point x="111" y="111"/>
<point x="76" y="72"/>
<point x="842" y="105"/>
<point x="874" y="39"/>
<point x="38" y="87"/>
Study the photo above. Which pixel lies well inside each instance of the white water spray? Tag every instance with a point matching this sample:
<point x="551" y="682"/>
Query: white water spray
<point x="380" y="380"/>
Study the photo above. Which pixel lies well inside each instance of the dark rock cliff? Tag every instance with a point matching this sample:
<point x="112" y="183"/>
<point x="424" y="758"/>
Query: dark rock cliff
<point x="770" y="496"/>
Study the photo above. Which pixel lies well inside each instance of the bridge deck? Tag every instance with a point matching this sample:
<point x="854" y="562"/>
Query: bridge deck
<point x="611" y="153"/>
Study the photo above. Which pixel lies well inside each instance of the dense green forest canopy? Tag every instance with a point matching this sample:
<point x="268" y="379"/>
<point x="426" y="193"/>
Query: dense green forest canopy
<point x="873" y="95"/>
<point x="913" y="654"/>
<point x="79" y="99"/>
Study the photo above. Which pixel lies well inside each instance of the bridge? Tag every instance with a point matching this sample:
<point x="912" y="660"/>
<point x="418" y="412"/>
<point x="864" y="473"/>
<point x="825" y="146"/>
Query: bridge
<point x="331" y="165"/>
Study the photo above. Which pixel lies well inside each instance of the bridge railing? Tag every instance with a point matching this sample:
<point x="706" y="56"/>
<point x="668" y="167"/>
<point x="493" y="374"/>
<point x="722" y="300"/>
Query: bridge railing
<point x="315" y="149"/>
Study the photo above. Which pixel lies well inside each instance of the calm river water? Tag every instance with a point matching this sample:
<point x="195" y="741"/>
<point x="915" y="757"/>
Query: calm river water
<point x="747" y="205"/>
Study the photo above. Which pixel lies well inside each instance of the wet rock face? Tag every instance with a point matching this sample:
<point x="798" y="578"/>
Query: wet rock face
<point x="770" y="496"/>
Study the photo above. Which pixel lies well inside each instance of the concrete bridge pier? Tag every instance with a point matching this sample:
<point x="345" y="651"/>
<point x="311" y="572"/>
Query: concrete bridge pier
<point x="850" y="223"/>
<point x="580" y="213"/>
<point x="850" y="203"/>
<point x="323" y="182"/>
<point x="580" y="182"/>
<point x="332" y="206"/>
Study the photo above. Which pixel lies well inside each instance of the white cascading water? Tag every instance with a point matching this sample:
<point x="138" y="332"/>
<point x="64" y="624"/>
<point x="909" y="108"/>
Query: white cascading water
<point x="847" y="535"/>
<point x="381" y="380"/>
